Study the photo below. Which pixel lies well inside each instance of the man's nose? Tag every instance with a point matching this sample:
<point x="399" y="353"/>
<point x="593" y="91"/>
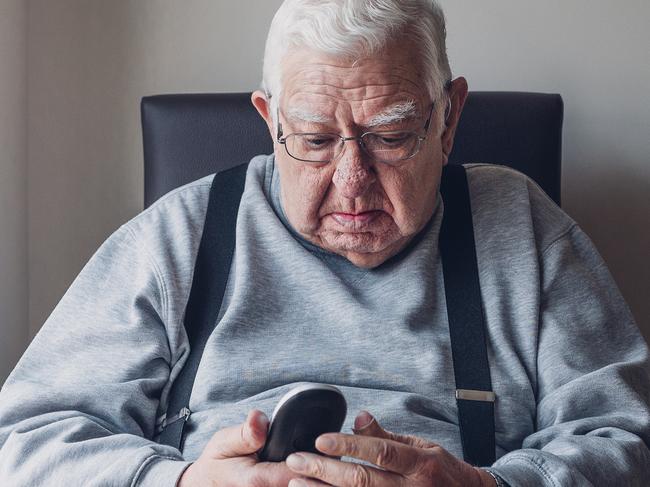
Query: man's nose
<point x="354" y="173"/>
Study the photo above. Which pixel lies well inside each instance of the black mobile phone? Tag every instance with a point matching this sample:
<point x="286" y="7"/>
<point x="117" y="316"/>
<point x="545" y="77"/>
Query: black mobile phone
<point x="302" y="415"/>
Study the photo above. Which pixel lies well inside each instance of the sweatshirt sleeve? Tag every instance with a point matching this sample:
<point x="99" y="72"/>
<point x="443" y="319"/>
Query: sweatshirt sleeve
<point x="80" y="407"/>
<point x="593" y="379"/>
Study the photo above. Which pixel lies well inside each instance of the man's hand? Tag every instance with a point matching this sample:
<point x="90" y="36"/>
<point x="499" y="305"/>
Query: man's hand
<point x="403" y="460"/>
<point x="230" y="458"/>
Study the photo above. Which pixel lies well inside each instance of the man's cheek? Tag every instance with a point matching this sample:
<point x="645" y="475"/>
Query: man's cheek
<point x="406" y="216"/>
<point x="306" y="214"/>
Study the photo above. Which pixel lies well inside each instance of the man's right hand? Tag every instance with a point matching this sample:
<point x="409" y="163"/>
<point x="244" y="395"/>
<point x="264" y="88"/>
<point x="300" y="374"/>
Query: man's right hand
<point x="230" y="458"/>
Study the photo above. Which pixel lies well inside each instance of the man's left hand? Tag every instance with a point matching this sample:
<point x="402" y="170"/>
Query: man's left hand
<point x="402" y="460"/>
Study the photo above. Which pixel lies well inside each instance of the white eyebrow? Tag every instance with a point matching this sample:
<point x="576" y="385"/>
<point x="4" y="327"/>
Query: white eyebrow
<point x="396" y="113"/>
<point x="306" y="116"/>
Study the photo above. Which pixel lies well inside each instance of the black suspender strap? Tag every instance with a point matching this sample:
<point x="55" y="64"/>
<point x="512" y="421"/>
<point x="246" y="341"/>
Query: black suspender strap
<point x="474" y="396"/>
<point x="208" y="285"/>
<point x="466" y="324"/>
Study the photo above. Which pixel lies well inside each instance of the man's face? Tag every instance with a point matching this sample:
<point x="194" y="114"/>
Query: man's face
<point x="364" y="210"/>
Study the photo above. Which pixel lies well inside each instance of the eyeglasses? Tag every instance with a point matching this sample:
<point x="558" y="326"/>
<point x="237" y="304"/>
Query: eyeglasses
<point x="391" y="147"/>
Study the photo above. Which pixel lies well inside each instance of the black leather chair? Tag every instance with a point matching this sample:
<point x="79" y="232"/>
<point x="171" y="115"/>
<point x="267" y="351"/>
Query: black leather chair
<point x="190" y="136"/>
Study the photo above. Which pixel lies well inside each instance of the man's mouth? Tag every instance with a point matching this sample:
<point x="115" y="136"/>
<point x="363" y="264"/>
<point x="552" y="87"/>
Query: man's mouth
<point x="365" y="217"/>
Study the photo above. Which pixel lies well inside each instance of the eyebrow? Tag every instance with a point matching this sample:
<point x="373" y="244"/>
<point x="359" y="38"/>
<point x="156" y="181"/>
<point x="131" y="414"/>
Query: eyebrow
<point x="397" y="113"/>
<point x="302" y="115"/>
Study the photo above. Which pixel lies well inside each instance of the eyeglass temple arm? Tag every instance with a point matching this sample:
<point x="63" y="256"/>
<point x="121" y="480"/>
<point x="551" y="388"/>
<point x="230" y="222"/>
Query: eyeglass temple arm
<point x="428" y="124"/>
<point x="280" y="140"/>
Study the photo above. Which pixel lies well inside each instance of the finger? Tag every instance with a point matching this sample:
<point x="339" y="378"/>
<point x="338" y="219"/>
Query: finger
<point x="367" y="425"/>
<point x="240" y="440"/>
<point x="304" y="482"/>
<point x="269" y="474"/>
<point x="341" y="474"/>
<point x="385" y="453"/>
<point x="363" y="421"/>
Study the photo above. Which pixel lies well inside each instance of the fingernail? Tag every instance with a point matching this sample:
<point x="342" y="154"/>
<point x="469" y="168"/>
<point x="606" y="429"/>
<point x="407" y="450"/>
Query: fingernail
<point x="297" y="483"/>
<point x="262" y="422"/>
<point x="363" y="420"/>
<point x="296" y="461"/>
<point x="325" y="442"/>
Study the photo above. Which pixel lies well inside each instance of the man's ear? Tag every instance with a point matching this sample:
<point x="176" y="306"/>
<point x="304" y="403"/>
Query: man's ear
<point x="263" y="106"/>
<point x="457" y="96"/>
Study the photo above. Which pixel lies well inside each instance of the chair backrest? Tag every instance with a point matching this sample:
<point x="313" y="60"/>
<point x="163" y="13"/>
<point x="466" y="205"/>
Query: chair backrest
<point x="189" y="136"/>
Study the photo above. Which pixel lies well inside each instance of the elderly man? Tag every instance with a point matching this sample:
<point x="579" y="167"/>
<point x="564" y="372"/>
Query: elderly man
<point x="336" y="278"/>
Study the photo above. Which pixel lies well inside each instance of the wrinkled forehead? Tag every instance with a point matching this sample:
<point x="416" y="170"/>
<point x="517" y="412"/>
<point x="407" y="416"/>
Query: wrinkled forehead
<point x="317" y="85"/>
<point x="378" y="115"/>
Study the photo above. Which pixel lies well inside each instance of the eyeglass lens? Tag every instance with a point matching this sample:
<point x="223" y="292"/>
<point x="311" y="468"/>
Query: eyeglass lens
<point x="385" y="147"/>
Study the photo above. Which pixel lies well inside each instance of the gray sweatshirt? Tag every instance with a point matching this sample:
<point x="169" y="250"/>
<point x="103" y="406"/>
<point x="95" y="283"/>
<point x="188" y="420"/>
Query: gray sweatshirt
<point x="568" y="364"/>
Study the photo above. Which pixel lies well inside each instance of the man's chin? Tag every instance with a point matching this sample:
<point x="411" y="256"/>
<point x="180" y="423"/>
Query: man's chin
<point x="362" y="249"/>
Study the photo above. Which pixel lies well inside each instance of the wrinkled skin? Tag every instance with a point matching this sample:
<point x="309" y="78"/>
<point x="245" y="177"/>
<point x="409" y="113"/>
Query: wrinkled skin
<point x="320" y="199"/>
<point x="230" y="460"/>
<point x="403" y="461"/>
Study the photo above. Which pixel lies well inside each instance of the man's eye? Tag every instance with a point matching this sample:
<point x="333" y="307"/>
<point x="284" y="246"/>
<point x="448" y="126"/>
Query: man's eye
<point x="318" y="141"/>
<point x="394" y="139"/>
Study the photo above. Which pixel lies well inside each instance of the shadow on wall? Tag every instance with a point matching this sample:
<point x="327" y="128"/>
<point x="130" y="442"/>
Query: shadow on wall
<point x="611" y="202"/>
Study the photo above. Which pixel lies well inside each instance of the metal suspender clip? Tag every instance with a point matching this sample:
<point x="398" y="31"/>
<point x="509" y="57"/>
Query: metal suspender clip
<point x="183" y="414"/>
<point x="472" y="395"/>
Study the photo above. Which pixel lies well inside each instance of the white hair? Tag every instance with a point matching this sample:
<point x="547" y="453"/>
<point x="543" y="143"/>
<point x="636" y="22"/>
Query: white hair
<point x="395" y="113"/>
<point x="353" y="29"/>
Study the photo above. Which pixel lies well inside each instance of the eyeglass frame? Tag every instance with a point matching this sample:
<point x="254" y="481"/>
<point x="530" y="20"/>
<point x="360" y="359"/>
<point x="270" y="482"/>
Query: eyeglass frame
<point x="283" y="140"/>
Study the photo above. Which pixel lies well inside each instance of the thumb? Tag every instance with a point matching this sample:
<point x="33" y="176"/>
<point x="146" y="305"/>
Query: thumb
<point x="240" y="440"/>
<point x="367" y="425"/>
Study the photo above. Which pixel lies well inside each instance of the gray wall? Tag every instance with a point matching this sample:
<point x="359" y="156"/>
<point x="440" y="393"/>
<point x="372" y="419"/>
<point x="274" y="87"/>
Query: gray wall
<point x="13" y="183"/>
<point x="90" y="61"/>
